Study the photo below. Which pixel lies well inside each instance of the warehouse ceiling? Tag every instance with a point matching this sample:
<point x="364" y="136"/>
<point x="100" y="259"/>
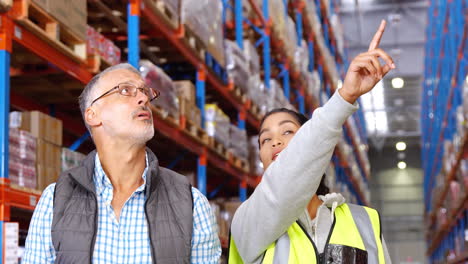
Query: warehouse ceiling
<point x="391" y="114"/>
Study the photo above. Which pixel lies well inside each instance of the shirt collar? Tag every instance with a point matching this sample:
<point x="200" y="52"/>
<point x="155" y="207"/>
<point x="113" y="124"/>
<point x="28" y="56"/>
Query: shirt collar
<point x="103" y="182"/>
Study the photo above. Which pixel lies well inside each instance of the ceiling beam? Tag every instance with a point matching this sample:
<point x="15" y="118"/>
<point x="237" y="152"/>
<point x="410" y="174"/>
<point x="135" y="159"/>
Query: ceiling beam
<point x="345" y="9"/>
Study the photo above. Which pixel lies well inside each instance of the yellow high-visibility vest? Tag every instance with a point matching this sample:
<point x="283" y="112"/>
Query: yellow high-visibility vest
<point x="356" y="228"/>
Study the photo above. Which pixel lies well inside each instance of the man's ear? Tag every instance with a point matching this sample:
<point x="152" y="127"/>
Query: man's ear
<point x="91" y="117"/>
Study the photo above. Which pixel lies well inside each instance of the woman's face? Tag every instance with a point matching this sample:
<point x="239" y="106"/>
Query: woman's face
<point x="275" y="134"/>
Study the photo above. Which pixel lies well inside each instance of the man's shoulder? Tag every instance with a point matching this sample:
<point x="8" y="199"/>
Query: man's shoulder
<point x="173" y="176"/>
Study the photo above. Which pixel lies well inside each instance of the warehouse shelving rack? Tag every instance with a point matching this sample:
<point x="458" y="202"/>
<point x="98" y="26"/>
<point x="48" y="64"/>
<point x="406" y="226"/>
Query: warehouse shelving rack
<point x="446" y="68"/>
<point x="11" y="32"/>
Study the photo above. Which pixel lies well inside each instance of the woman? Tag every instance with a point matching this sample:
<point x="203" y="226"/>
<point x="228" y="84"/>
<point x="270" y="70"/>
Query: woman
<point x="275" y="224"/>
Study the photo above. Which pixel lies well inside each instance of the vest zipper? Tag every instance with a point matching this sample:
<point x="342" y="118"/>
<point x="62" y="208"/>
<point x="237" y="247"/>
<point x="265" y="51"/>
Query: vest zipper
<point x="153" y="254"/>
<point x="93" y="241"/>
<point x="329" y="237"/>
<point x="311" y="241"/>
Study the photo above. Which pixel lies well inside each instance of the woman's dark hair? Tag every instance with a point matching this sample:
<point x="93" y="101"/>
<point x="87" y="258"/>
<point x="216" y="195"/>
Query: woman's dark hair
<point x="301" y="119"/>
<point x="323" y="188"/>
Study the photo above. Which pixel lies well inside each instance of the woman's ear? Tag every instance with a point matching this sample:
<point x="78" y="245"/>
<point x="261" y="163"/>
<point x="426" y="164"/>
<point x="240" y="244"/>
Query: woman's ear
<point x="91" y="117"/>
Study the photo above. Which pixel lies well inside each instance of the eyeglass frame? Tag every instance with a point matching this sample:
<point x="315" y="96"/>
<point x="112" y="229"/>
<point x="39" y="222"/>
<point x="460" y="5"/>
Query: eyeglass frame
<point x="158" y="93"/>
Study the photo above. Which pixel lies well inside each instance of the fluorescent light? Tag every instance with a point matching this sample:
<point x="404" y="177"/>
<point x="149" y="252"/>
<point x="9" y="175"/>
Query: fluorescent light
<point x="381" y="124"/>
<point x="402" y="165"/>
<point x="398" y="83"/>
<point x="376" y="121"/>
<point x="400" y="146"/>
<point x="466" y="79"/>
<point x="373" y="104"/>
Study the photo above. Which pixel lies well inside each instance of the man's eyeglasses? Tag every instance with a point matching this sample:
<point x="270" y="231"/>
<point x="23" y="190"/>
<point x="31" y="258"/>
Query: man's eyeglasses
<point x="128" y="89"/>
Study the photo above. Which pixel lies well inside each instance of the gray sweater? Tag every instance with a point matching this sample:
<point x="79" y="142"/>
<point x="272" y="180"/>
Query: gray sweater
<point x="290" y="182"/>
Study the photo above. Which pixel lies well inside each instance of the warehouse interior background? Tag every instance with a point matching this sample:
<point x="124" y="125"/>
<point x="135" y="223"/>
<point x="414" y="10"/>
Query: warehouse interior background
<point x="220" y="65"/>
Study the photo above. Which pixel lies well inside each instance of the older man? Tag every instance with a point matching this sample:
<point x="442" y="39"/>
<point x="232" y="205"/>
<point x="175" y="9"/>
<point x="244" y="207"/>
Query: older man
<point x="119" y="205"/>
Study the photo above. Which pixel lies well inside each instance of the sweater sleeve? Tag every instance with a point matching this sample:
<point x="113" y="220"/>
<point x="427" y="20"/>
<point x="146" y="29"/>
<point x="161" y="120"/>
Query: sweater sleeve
<point x="290" y="182"/>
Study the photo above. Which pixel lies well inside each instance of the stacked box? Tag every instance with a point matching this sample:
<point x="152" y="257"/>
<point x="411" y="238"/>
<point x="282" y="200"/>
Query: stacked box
<point x="70" y="159"/>
<point x="301" y="58"/>
<point x="256" y="165"/>
<point x="187" y="101"/>
<point x="156" y="78"/>
<point x="252" y="56"/>
<point x="217" y="124"/>
<point x="237" y="65"/>
<point x="257" y="92"/>
<point x="247" y="10"/>
<point x="313" y="84"/>
<point x="71" y="14"/>
<point x="48" y="132"/>
<point x="39" y="125"/>
<point x="22" y="161"/>
<point x="204" y="18"/>
<point x="97" y="44"/>
<point x="276" y="97"/>
<point x="238" y="142"/>
<point x="48" y="164"/>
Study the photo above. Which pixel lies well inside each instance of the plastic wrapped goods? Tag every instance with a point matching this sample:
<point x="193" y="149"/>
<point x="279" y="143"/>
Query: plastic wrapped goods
<point x="22" y="161"/>
<point x="156" y="78"/>
<point x="204" y="18"/>
<point x="237" y="65"/>
<point x="252" y="57"/>
<point x="256" y="166"/>
<point x="217" y="124"/>
<point x="70" y="158"/>
<point x="238" y="142"/>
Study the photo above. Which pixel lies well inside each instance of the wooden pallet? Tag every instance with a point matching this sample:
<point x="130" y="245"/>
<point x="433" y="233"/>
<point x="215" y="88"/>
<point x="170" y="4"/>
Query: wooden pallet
<point x="43" y="25"/>
<point x="25" y="189"/>
<point x="239" y="163"/>
<point x="195" y="131"/>
<point x="255" y="111"/>
<point x="96" y="63"/>
<point x="219" y="148"/>
<point x="172" y="16"/>
<point x="194" y="42"/>
<point x="239" y="94"/>
<point x="166" y="116"/>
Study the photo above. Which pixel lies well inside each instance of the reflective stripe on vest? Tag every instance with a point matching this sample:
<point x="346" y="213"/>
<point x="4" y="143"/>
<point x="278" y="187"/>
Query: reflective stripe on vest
<point x="293" y="247"/>
<point x="362" y="228"/>
<point x="355" y="226"/>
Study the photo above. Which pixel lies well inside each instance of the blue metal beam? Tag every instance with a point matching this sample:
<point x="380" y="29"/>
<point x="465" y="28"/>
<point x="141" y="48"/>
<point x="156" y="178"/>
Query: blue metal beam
<point x="200" y="94"/>
<point x="239" y="23"/>
<point x="133" y="40"/>
<point x="4" y="112"/>
<point x="80" y="141"/>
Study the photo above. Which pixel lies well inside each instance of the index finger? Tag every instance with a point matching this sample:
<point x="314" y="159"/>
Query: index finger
<point x="378" y="35"/>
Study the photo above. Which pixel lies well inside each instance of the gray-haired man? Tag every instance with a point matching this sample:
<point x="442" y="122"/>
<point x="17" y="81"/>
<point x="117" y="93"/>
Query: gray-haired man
<point x="120" y="206"/>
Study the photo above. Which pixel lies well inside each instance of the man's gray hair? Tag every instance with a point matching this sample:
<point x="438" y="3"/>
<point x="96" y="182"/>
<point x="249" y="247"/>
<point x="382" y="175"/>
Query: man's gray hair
<point x="85" y="97"/>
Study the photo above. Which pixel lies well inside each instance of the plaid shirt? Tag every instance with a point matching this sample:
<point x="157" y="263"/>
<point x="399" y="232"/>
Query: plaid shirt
<point x="126" y="240"/>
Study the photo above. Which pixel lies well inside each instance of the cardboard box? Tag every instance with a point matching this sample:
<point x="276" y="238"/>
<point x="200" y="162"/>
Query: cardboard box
<point x="42" y="126"/>
<point x="48" y="154"/>
<point x="46" y="176"/>
<point x="71" y="14"/>
<point x="190" y="111"/>
<point x="186" y="90"/>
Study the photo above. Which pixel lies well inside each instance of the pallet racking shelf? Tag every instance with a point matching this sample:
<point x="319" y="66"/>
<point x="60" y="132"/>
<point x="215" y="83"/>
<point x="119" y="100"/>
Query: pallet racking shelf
<point x="12" y="33"/>
<point x="445" y="72"/>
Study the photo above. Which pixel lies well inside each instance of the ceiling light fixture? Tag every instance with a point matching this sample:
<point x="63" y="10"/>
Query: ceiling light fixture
<point x="398" y="83"/>
<point x="402" y="165"/>
<point x="400" y="146"/>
